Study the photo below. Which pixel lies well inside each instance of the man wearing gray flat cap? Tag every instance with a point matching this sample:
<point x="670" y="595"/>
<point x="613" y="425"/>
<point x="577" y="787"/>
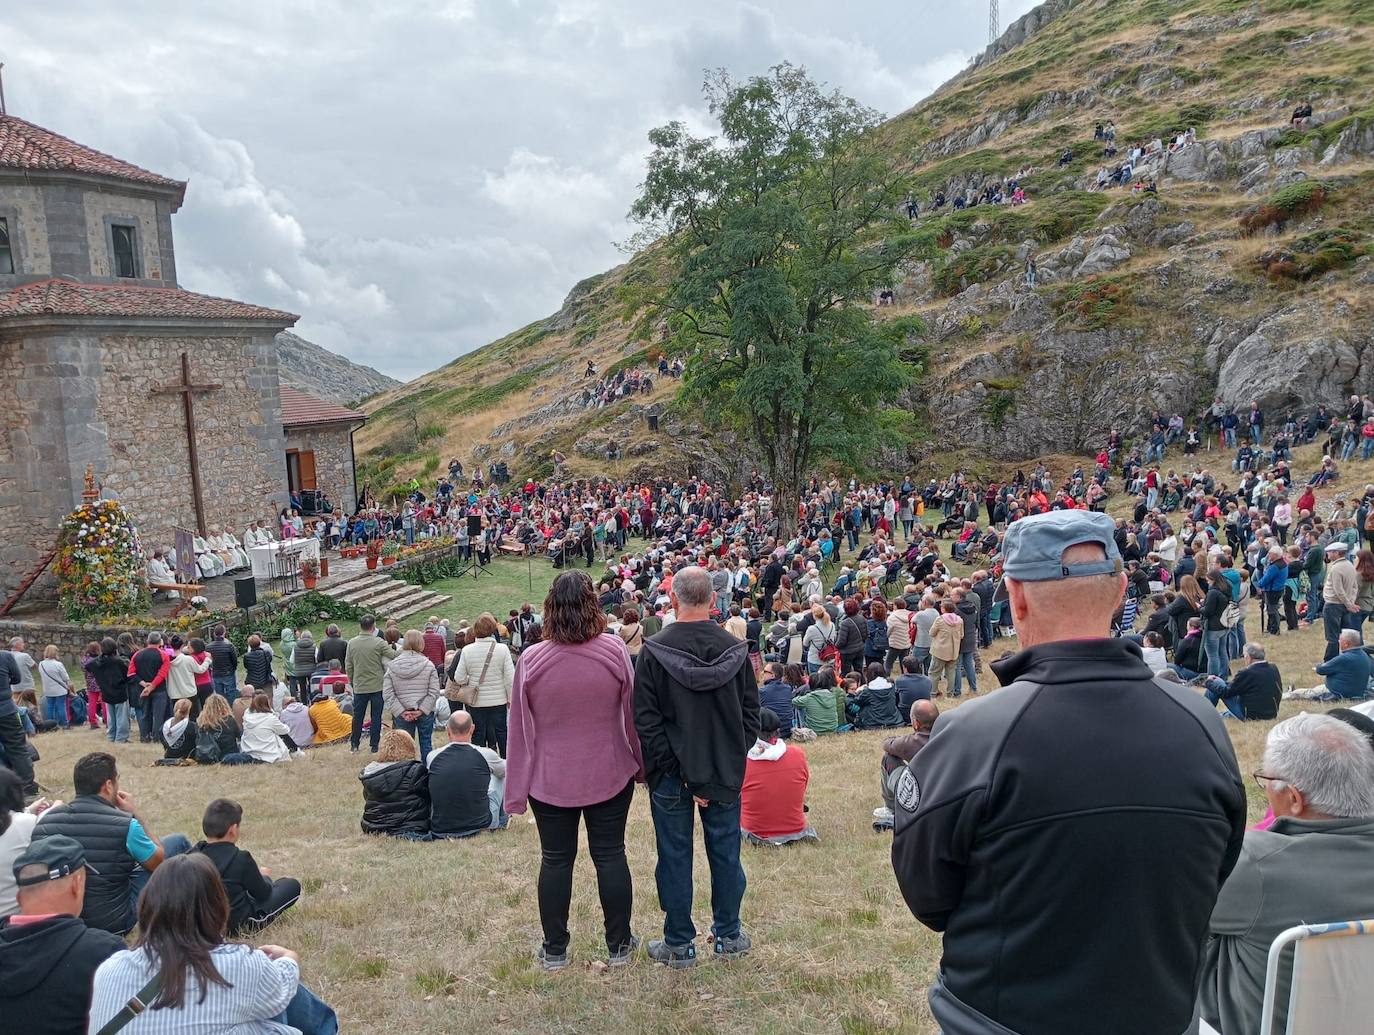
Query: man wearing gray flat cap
<point x="1069" y="833"/>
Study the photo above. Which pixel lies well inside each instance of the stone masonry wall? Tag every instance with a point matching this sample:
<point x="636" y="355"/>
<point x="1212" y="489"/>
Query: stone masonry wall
<point x="79" y="396"/>
<point x="333" y="462"/>
<point x="22" y="207"/>
<point x="141" y="212"/>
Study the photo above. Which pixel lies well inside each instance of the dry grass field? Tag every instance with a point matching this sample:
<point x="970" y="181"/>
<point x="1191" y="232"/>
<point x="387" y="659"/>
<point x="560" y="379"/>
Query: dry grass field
<point x="439" y="937"/>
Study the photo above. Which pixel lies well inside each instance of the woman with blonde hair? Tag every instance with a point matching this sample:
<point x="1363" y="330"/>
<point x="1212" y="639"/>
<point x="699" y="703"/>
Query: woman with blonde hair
<point x="57" y="687"/>
<point x="410" y="690"/>
<point x="217" y="731"/>
<point x="819" y="635"/>
<point x="486" y="664"/>
<point x="396" y="790"/>
<point x="178" y="733"/>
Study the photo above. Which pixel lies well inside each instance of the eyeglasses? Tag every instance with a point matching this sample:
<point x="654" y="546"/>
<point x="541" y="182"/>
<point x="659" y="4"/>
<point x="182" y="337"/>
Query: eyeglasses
<point x="1262" y="779"/>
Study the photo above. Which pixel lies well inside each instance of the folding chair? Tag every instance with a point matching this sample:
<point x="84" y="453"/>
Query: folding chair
<point x="1328" y="981"/>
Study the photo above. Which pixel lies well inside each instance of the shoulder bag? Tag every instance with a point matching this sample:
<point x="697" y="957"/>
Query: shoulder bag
<point x="466" y="694"/>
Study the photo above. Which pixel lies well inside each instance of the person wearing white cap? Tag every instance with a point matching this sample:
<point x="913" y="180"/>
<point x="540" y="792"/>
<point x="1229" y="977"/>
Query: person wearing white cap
<point x="1086" y="802"/>
<point x="1339" y="594"/>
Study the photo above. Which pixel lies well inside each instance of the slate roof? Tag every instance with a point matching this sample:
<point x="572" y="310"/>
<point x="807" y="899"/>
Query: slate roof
<point x="26" y="146"/>
<point x="299" y="409"/>
<point x="61" y="297"/>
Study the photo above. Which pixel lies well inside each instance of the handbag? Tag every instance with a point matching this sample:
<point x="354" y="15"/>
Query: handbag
<point x="466" y="694"/>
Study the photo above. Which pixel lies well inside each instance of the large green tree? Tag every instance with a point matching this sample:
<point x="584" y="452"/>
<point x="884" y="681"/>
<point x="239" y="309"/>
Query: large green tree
<point x="774" y="237"/>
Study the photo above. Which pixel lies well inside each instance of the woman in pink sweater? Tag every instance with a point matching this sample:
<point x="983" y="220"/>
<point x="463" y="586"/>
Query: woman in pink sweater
<point x="572" y="754"/>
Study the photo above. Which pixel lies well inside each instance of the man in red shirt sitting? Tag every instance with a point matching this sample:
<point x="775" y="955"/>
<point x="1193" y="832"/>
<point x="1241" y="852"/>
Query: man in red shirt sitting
<point x="773" y="798"/>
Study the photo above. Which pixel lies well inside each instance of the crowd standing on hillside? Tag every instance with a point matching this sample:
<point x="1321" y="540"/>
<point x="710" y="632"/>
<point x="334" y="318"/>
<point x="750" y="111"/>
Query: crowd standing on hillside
<point x="704" y="656"/>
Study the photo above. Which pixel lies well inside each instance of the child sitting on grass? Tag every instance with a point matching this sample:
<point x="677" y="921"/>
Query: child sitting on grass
<point x="255" y="899"/>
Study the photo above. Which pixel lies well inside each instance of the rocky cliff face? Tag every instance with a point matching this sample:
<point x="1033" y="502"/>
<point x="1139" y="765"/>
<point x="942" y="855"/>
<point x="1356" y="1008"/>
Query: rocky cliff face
<point x="310" y="368"/>
<point x="1249" y="274"/>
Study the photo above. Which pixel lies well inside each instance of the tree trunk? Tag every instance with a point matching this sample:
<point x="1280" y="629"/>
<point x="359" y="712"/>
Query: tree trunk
<point x="786" y="498"/>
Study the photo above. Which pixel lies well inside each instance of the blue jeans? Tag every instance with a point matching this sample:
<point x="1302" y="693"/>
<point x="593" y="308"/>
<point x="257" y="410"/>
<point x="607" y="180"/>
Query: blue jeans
<point x="964" y="664"/>
<point x="55" y="709"/>
<point x="226" y="686"/>
<point x="172" y="844"/>
<point x="1348" y="449"/>
<point x="1214" y="643"/>
<point x="1315" y="602"/>
<point x="1232" y="702"/>
<point x="1229" y="434"/>
<point x="1256" y="433"/>
<point x="117" y="722"/>
<point x="672" y="807"/>
<point x="309" y="1013"/>
<point x="361" y="704"/>
<point x="422" y="729"/>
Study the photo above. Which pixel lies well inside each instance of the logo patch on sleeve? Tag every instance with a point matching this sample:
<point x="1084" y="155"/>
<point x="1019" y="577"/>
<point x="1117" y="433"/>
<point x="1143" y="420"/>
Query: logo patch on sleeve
<point x="908" y="792"/>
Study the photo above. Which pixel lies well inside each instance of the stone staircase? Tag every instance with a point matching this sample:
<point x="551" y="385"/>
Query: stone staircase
<point x="382" y="594"/>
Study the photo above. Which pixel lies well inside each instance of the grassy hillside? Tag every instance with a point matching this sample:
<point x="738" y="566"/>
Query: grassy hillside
<point x="1232" y="241"/>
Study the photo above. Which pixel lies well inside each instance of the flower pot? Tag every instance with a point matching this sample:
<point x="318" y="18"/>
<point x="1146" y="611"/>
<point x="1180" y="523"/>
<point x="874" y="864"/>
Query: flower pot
<point x="372" y="564"/>
<point x="324" y="567"/>
<point x="309" y="581"/>
<point x="388" y="560"/>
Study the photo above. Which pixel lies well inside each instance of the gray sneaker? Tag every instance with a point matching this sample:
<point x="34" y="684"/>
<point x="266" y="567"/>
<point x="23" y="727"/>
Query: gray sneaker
<point x="679" y="957"/>
<point x="550" y="962"/>
<point x="622" y="956"/>
<point x="733" y="948"/>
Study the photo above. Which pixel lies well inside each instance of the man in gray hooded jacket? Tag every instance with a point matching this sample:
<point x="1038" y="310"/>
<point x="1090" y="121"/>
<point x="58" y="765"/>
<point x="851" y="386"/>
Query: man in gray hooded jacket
<point x="697" y="714"/>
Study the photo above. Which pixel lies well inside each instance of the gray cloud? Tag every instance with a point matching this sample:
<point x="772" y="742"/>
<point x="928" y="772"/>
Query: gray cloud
<point x="418" y="179"/>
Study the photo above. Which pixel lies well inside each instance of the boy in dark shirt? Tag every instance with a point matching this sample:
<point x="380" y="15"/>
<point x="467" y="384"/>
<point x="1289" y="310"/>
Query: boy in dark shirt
<point x="255" y="899"/>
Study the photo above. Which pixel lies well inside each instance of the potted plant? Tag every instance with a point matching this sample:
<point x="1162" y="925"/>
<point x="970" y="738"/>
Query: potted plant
<point x="310" y="572"/>
<point x="374" y="551"/>
<point x="390" y="552"/>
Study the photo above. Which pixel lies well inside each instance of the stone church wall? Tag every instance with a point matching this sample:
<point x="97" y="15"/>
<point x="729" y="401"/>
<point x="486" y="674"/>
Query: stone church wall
<point x="86" y="396"/>
<point x="333" y="462"/>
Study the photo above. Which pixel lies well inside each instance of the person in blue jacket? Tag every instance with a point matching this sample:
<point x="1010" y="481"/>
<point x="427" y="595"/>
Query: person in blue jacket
<point x="1347" y="674"/>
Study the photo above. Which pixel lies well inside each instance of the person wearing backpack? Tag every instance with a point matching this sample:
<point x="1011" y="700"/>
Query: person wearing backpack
<point x="217" y="734"/>
<point x="820" y="641"/>
<point x="1217" y="607"/>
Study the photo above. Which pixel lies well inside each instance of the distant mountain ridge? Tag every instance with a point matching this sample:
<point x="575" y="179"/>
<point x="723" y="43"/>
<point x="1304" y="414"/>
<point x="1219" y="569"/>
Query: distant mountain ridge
<point x="310" y="368"/>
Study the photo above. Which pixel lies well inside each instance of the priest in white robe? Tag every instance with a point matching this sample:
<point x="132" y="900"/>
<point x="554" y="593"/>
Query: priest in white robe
<point x="210" y="566"/>
<point x="159" y="572"/>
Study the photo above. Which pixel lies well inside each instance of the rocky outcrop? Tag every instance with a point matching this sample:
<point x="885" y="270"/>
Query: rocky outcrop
<point x="306" y="366"/>
<point x="1290" y="360"/>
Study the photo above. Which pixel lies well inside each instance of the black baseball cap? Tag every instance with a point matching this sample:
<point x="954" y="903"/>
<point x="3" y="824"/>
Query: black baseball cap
<point x="62" y="856"/>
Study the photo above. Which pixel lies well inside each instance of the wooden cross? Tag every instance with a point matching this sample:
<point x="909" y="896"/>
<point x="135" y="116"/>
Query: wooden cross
<point x="187" y="390"/>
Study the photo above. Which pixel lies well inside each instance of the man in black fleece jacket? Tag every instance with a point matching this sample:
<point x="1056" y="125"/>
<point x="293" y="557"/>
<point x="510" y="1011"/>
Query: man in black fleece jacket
<point x="48" y="955"/>
<point x="697" y="714"/>
<point x="1069" y="833"/>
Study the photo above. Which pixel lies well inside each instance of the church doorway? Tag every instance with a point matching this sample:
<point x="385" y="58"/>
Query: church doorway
<point x="300" y="470"/>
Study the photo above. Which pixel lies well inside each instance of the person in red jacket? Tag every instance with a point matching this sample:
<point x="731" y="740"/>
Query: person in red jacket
<point x="772" y="800"/>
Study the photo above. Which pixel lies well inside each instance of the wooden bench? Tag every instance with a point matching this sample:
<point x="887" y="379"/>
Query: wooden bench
<point x="512" y="546"/>
<point x="187" y="591"/>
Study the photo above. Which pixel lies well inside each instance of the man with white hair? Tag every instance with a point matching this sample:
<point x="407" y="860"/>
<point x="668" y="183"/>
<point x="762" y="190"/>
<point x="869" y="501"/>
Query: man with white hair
<point x="1339" y="593"/>
<point x="1347" y="674"/>
<point x="1311" y="866"/>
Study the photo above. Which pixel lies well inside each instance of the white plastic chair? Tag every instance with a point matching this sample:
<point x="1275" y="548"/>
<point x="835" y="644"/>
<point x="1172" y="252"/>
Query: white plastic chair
<point x="1331" y="990"/>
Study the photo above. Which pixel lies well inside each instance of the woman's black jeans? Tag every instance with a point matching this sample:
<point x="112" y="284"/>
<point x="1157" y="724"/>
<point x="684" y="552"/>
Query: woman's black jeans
<point x="489" y="727"/>
<point x="606" y="845"/>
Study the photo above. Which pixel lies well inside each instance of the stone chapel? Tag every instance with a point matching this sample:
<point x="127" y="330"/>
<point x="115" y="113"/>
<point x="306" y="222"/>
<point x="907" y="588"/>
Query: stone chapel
<point x="105" y="361"/>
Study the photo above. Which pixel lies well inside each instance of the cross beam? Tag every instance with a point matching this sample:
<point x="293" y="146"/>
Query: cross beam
<point x="187" y="389"/>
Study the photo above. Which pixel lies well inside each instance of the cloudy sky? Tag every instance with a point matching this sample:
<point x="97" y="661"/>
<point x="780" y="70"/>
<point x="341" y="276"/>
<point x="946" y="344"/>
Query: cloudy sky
<point x="419" y="177"/>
